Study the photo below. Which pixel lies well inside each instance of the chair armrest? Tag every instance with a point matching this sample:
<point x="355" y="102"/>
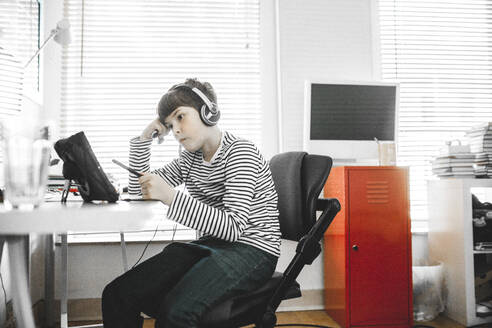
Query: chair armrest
<point x="324" y="203"/>
<point x="330" y="208"/>
<point x="307" y="249"/>
<point x="309" y="246"/>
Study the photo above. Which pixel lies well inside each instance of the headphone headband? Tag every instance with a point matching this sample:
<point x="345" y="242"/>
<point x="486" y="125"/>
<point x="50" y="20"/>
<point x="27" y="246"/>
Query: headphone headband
<point x="213" y="114"/>
<point x="211" y="105"/>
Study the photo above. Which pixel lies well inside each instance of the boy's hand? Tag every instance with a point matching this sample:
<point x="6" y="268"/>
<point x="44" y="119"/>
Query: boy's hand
<point x="155" y="125"/>
<point x="154" y="187"/>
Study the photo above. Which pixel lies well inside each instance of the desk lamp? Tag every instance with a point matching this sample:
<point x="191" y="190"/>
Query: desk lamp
<point x="61" y="35"/>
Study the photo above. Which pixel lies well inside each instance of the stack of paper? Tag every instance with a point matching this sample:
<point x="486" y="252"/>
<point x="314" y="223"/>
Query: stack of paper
<point x="480" y="138"/>
<point x="482" y="165"/>
<point x="480" y="141"/>
<point x="455" y="166"/>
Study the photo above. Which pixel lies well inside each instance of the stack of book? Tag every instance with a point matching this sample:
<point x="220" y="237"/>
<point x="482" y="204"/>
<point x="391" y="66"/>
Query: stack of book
<point x="480" y="138"/>
<point x="55" y="182"/>
<point x="480" y="141"/>
<point x="483" y="166"/>
<point x="460" y="165"/>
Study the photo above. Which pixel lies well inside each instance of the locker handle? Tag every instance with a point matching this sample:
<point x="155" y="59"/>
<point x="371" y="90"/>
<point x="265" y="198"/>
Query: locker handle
<point x="355" y="247"/>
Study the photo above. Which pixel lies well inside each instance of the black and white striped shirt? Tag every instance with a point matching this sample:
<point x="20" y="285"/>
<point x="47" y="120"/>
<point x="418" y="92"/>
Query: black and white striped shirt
<point x="232" y="197"/>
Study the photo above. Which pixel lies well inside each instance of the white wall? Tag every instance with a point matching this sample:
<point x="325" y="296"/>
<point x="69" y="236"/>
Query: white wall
<point x="268" y="78"/>
<point x="51" y="58"/>
<point x="320" y="40"/>
<point x="91" y="267"/>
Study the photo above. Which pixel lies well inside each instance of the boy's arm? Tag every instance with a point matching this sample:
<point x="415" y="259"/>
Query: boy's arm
<point x="139" y="159"/>
<point x="229" y="222"/>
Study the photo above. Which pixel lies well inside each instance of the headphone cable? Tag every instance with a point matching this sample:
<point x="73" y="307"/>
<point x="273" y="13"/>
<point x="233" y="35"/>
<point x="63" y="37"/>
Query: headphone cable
<point x="175" y="224"/>
<point x="184" y="186"/>
<point x="147" y="245"/>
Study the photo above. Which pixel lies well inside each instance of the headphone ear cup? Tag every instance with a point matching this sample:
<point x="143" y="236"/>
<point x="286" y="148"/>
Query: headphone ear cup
<point x="203" y="114"/>
<point x="208" y="117"/>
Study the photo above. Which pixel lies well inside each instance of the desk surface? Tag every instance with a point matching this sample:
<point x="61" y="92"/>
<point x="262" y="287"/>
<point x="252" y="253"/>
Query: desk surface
<point x="55" y="217"/>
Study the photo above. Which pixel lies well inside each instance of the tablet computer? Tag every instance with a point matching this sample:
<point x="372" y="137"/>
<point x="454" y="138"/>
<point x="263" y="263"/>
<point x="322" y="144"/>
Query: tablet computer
<point x="81" y="165"/>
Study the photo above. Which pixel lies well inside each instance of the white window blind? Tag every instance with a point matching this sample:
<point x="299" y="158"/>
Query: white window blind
<point x="19" y="39"/>
<point x="440" y="52"/>
<point x="126" y="54"/>
<point x="10" y="84"/>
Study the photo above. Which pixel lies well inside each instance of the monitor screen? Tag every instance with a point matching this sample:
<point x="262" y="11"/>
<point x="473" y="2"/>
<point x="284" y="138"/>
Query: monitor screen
<point x="343" y="119"/>
<point x="352" y="112"/>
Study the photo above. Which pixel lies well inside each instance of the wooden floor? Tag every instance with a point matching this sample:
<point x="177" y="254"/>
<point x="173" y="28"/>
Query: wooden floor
<point x="319" y="318"/>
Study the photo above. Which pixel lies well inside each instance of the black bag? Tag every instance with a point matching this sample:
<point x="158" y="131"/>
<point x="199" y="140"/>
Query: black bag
<point x="482" y="233"/>
<point x="81" y="165"/>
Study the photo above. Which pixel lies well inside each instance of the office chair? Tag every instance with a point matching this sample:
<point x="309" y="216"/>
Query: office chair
<point x="299" y="179"/>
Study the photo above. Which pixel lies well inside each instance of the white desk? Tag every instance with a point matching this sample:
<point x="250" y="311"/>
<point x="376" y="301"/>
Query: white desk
<point x="54" y="217"/>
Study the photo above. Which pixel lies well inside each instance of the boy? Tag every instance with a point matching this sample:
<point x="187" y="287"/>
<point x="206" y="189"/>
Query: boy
<point x="232" y="201"/>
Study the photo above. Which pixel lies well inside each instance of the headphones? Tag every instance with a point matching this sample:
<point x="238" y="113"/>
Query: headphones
<point x="209" y="112"/>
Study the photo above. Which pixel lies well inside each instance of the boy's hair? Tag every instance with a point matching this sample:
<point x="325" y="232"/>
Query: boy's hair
<point x="182" y="96"/>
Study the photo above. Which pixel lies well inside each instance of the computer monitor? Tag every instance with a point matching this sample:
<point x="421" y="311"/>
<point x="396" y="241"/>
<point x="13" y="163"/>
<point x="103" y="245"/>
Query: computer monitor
<point x="344" y="119"/>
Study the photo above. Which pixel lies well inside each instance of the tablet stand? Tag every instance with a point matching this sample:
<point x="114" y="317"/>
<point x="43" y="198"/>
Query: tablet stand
<point x="66" y="190"/>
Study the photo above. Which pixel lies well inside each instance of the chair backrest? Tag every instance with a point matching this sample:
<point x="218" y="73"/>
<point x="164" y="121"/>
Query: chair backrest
<point x="299" y="179"/>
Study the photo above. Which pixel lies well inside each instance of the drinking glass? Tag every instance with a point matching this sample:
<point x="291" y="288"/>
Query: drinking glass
<point x="26" y="154"/>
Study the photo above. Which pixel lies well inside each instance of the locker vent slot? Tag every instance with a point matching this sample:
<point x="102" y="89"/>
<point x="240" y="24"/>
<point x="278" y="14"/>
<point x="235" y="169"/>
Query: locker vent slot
<point x="377" y="192"/>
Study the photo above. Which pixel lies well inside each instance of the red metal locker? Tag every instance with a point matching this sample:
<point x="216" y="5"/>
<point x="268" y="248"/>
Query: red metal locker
<point x="367" y="250"/>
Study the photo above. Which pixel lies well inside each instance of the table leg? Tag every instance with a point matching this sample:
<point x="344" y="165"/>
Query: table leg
<point x="20" y="280"/>
<point x="123" y="252"/>
<point x="64" y="282"/>
<point x="49" y="281"/>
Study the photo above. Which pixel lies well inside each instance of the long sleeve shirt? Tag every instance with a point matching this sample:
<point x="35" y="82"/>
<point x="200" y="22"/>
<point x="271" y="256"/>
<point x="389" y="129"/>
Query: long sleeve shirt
<point x="232" y="197"/>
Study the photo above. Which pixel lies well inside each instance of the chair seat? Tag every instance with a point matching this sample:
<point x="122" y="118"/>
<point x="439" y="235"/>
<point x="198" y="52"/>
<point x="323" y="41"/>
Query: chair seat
<point x="239" y="310"/>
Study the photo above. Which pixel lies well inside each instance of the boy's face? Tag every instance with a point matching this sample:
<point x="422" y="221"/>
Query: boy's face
<point x="187" y="127"/>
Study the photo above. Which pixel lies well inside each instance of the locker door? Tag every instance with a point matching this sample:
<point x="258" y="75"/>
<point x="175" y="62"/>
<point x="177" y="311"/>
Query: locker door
<point x="378" y="251"/>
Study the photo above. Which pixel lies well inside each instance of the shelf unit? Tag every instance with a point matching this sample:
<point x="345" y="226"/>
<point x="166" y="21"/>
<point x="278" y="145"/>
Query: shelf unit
<point x="451" y="242"/>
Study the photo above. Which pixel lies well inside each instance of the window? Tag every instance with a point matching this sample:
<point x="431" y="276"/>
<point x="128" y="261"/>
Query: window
<point x="440" y="52"/>
<point x="10" y="83"/>
<point x="19" y="40"/>
<point x="126" y="54"/>
<point x="19" y="36"/>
